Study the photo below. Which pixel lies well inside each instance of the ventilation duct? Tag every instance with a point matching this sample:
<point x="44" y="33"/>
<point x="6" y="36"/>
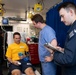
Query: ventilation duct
<point x="16" y="19"/>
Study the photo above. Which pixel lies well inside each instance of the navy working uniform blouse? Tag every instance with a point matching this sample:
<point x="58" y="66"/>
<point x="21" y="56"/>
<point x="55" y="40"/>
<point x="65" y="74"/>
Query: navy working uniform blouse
<point x="68" y="59"/>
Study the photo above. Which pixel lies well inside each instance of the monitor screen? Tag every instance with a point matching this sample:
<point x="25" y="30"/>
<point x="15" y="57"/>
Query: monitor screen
<point x="5" y="21"/>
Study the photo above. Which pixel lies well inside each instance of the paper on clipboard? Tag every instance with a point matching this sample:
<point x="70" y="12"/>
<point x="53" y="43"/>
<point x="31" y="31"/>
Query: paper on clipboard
<point x="48" y="45"/>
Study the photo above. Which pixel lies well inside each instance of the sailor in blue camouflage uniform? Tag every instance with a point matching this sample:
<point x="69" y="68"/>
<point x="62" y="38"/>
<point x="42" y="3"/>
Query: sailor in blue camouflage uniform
<point x="67" y="60"/>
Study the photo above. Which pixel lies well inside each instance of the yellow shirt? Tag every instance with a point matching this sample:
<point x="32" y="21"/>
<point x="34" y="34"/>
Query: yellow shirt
<point x="14" y="49"/>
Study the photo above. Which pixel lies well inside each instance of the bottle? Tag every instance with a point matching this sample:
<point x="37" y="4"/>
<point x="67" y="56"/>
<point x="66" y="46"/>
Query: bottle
<point x="21" y="55"/>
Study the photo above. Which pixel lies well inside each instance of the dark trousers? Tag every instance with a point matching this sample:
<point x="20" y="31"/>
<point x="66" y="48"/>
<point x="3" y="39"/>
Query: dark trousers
<point x="1" y="68"/>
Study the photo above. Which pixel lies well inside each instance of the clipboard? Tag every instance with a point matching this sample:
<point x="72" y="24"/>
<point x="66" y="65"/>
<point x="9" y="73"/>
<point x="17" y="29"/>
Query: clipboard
<point x="51" y="47"/>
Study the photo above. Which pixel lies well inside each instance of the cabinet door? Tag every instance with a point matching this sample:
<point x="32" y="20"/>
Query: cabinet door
<point x="33" y="49"/>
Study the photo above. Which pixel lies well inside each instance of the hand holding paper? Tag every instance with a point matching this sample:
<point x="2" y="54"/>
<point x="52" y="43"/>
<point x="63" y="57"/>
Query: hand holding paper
<point x="51" y="47"/>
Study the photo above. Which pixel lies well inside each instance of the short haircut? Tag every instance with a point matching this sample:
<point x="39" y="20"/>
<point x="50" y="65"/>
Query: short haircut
<point x="16" y="33"/>
<point x="67" y="5"/>
<point x="38" y="18"/>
